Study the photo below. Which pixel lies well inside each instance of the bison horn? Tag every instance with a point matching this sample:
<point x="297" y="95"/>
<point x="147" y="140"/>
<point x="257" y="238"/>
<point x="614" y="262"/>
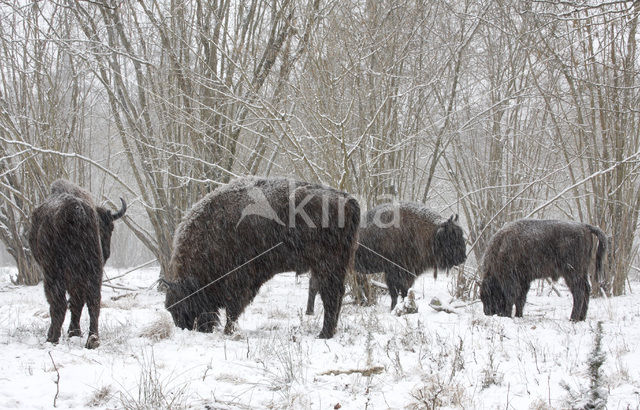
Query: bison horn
<point x="121" y="212"/>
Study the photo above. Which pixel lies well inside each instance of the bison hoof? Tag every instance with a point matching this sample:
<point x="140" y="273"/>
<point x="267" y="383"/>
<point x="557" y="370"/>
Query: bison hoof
<point x="53" y="340"/>
<point x="74" y="333"/>
<point x="92" y="342"/>
<point x="309" y="312"/>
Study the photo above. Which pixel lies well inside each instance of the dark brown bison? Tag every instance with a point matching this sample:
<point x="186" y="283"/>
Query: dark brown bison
<point x="403" y="240"/>
<point x="529" y="249"/>
<point x="242" y="234"/>
<point x="70" y="239"/>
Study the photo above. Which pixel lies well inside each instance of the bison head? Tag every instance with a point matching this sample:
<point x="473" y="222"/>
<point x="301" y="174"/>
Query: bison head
<point x="186" y="301"/>
<point x="449" y="246"/>
<point x="493" y="299"/>
<point x="106" y="219"/>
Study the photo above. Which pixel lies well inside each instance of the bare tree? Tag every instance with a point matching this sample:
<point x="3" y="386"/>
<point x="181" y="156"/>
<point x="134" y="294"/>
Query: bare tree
<point x="190" y="86"/>
<point x="43" y="108"/>
<point x="591" y="53"/>
<point x="499" y="109"/>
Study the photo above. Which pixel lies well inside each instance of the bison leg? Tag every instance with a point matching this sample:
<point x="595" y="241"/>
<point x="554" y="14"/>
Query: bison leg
<point x="207" y="321"/>
<point x="393" y="293"/>
<point x="76" y="303"/>
<point x="521" y="298"/>
<point x="580" y="290"/>
<point x="234" y="310"/>
<point x="236" y="306"/>
<point x="93" y="305"/>
<point x="585" y="304"/>
<point x="397" y="284"/>
<point x="55" y="293"/>
<point x="331" y="293"/>
<point x="230" y="326"/>
<point x="313" y="291"/>
<point x="403" y="292"/>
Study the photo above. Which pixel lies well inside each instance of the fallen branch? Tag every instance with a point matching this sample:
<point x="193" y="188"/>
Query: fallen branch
<point x="379" y="285"/>
<point x="440" y="308"/>
<point x="131" y="270"/>
<point x="120" y="287"/>
<point x="57" y="382"/>
<point x="365" y="372"/>
<point x="464" y="305"/>
<point x="124" y="295"/>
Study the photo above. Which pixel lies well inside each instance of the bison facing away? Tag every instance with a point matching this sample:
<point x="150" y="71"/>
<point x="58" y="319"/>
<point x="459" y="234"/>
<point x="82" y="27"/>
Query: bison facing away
<point x="70" y="239"/>
<point x="404" y="240"/>
<point x="530" y="249"/>
<point x="242" y="234"/>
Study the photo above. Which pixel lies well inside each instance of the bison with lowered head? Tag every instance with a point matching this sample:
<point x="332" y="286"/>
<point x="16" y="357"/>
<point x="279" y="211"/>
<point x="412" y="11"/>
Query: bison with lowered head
<point x="403" y="240"/>
<point x="529" y="249"/>
<point x="242" y="234"/>
<point x="70" y="238"/>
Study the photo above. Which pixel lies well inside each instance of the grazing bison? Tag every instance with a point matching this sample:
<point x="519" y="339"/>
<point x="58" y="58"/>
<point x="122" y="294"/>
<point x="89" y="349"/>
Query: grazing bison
<point x="530" y="249"/>
<point x="403" y="240"/>
<point x="242" y="234"/>
<point x="70" y="239"/>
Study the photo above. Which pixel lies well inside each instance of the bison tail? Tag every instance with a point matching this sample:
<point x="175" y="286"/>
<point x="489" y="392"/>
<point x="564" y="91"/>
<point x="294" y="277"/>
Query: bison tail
<point x="602" y="249"/>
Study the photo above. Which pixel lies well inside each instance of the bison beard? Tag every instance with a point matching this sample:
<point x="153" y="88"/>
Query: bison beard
<point x="219" y="259"/>
<point x="531" y="249"/>
<point x="417" y="241"/>
<point x="70" y="239"/>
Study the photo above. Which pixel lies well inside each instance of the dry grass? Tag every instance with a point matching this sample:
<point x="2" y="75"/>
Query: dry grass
<point x="100" y="397"/>
<point x="154" y="391"/>
<point x="162" y="328"/>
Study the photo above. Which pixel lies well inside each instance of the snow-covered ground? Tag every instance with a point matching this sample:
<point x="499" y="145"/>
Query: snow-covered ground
<point x="376" y="360"/>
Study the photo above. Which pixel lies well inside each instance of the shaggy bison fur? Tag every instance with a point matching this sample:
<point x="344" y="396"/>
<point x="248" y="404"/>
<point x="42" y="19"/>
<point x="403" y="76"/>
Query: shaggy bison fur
<point x="70" y="238"/>
<point x="530" y="249"/>
<point x="222" y="253"/>
<point x="403" y="240"/>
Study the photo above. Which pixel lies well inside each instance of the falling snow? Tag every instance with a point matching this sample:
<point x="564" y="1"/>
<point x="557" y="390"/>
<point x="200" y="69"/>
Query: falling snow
<point x="274" y="359"/>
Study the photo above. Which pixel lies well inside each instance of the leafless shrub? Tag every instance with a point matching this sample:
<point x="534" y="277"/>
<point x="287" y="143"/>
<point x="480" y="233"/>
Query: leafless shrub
<point x="490" y="374"/>
<point x="595" y="396"/>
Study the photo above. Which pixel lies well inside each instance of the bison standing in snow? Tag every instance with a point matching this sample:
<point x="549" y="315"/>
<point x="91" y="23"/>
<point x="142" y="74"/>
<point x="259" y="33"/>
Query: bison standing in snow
<point x="403" y="240"/>
<point x="529" y="249"/>
<point x="242" y="234"/>
<point x="70" y="238"/>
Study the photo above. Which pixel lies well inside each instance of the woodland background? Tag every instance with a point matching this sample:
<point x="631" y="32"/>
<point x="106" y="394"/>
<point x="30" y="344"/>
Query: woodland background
<point x="495" y="110"/>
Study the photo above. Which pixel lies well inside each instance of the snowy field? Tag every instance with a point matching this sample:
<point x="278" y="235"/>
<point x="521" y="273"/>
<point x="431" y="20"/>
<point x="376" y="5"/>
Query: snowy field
<point x="376" y="360"/>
